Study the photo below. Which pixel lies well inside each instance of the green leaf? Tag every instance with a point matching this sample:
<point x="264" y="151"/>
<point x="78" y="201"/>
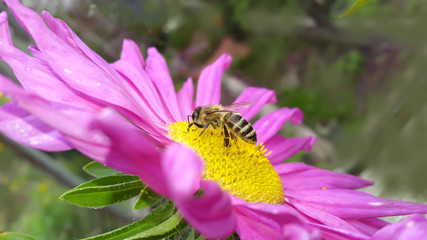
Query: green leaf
<point x="191" y="235"/>
<point x="166" y="229"/>
<point x="356" y="5"/>
<point x="200" y="237"/>
<point x="159" y="215"/>
<point x="104" y="191"/>
<point x="147" y="198"/>
<point x="14" y="236"/>
<point x="233" y="237"/>
<point x="97" y="170"/>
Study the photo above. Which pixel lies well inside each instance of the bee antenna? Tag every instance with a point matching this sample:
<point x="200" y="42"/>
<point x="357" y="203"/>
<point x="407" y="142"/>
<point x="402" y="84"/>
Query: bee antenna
<point x="188" y="118"/>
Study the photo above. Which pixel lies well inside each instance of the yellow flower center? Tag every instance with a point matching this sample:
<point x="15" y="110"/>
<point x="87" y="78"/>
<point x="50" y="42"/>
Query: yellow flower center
<point x="242" y="169"/>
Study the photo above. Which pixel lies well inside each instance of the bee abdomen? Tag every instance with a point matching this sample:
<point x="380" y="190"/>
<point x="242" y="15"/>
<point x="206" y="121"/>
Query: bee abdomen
<point x="240" y="127"/>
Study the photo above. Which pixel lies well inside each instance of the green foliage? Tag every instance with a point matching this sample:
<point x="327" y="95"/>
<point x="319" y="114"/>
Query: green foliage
<point x="14" y="236"/>
<point x="147" y="198"/>
<point x="164" y="213"/>
<point x="97" y="170"/>
<point x="104" y="191"/>
<point x="356" y="6"/>
<point x="164" y="230"/>
<point x="191" y="235"/>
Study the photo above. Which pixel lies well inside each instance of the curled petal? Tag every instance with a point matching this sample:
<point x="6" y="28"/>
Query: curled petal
<point x="61" y="30"/>
<point x="270" y="124"/>
<point x="413" y="227"/>
<point x="211" y="213"/>
<point x="283" y="148"/>
<point x="209" y="85"/>
<point x="131" y="151"/>
<point x="182" y="169"/>
<point x="259" y="96"/>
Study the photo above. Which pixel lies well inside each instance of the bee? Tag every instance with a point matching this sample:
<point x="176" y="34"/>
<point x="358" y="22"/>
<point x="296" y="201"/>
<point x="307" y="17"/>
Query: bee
<point x="225" y="117"/>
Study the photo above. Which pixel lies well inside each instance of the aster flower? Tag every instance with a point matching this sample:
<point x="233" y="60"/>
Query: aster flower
<point x="71" y="98"/>
<point x="413" y="227"/>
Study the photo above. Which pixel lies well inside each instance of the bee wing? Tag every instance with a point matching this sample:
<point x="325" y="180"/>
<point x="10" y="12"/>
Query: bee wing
<point x="239" y="105"/>
<point x="218" y="111"/>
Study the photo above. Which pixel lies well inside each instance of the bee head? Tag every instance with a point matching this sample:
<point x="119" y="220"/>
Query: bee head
<point x="196" y="114"/>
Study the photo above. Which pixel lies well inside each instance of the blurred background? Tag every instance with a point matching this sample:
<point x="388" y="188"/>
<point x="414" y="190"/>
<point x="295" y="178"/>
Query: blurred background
<point x="359" y="79"/>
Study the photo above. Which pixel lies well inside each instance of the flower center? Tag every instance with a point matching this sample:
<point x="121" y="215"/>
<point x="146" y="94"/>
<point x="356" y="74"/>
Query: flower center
<point x="242" y="169"/>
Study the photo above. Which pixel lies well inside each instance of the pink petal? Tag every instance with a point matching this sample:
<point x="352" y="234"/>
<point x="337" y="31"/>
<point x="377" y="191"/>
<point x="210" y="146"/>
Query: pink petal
<point x="271" y="221"/>
<point x="26" y="129"/>
<point x="250" y="228"/>
<point x="61" y="30"/>
<point x="124" y="95"/>
<point x="157" y="69"/>
<point x="88" y="74"/>
<point x="283" y="148"/>
<point x="353" y="204"/>
<point x="331" y="233"/>
<point x="132" y="151"/>
<point x="62" y="118"/>
<point x="211" y="213"/>
<point x="325" y="218"/>
<point x="182" y="170"/>
<point x="185" y="98"/>
<point x="141" y="114"/>
<point x="4" y="30"/>
<point x="259" y="96"/>
<point x="297" y="232"/>
<point x="368" y="226"/>
<point x="209" y="85"/>
<point x="292" y="167"/>
<point x="132" y="54"/>
<point x="316" y="179"/>
<point x="270" y="124"/>
<point x="413" y="227"/>
<point x="35" y="76"/>
<point x="152" y="109"/>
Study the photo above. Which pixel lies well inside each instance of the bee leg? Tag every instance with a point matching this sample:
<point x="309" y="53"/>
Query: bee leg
<point x="234" y="138"/>
<point x="204" y="128"/>
<point x="193" y="123"/>
<point x="226" y="136"/>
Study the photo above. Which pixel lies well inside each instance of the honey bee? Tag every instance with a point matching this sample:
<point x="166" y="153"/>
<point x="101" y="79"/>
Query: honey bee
<point x="225" y="117"/>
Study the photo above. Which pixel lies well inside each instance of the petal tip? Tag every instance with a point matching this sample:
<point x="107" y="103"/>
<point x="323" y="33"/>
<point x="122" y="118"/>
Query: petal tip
<point x="297" y="116"/>
<point x="3" y="17"/>
<point x="227" y="58"/>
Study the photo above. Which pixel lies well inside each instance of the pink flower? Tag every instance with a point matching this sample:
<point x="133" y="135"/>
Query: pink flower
<point x="70" y="99"/>
<point x="413" y="227"/>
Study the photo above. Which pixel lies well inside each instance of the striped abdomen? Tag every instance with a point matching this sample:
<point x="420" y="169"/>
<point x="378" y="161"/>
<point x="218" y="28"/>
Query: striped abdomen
<point x="240" y="127"/>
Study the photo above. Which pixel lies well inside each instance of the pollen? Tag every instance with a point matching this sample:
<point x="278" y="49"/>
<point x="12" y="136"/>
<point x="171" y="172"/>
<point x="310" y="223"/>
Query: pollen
<point x="241" y="169"/>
